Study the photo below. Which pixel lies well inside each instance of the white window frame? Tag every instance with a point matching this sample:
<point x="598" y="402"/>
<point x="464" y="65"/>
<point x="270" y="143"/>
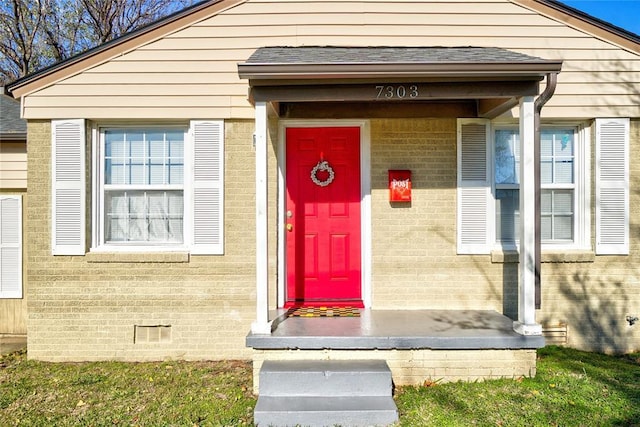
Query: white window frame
<point x="98" y="188"/>
<point x="582" y="189"/>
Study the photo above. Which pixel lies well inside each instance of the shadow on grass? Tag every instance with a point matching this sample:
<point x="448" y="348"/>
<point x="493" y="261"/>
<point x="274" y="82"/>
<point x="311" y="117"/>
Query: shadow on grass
<point x="572" y="388"/>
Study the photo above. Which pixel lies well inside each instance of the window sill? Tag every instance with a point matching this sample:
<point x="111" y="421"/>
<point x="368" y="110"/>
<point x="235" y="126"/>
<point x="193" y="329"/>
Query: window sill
<point x="570" y="256"/>
<point x="137" y="257"/>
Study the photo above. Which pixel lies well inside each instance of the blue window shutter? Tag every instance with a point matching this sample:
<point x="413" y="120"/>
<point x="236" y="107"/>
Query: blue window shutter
<point x="612" y="186"/>
<point x="208" y="187"/>
<point x="474" y="187"/>
<point x="10" y="247"/>
<point x="68" y="192"/>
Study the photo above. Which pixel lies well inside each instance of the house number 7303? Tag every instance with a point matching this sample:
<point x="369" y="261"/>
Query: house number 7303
<point x="397" y="91"/>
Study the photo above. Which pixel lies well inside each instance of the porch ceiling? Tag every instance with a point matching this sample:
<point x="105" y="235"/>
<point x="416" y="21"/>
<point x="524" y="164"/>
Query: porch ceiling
<point x="491" y="77"/>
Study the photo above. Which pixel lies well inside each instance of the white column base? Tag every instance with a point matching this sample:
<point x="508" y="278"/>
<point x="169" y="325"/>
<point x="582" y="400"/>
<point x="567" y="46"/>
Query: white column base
<point x="527" y="329"/>
<point x="261" y="328"/>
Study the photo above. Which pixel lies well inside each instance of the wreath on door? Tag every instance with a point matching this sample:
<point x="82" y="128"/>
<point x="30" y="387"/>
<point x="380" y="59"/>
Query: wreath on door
<point x="322" y="165"/>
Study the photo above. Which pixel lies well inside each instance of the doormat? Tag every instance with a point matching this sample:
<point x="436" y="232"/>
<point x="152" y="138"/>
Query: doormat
<point x="323" y="312"/>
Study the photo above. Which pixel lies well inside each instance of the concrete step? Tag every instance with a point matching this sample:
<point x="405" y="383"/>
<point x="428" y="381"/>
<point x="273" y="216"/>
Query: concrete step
<point x="279" y="411"/>
<point x="325" y="393"/>
<point x="325" y="378"/>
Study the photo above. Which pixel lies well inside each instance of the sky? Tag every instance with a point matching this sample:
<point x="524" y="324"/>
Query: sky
<point x="621" y="13"/>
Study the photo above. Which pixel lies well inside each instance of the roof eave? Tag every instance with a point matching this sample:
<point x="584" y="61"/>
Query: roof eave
<point x="322" y="71"/>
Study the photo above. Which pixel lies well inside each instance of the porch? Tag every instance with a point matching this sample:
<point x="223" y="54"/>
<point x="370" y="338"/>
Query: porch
<point x="420" y="346"/>
<point x="288" y="85"/>
<point x="396" y="329"/>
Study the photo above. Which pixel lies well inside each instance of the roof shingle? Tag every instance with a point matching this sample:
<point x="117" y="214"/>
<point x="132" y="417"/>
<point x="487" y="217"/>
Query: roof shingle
<point x="384" y="54"/>
<point x="11" y="125"/>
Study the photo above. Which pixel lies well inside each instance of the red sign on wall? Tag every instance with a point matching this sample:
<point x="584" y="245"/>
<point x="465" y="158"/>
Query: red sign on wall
<point x="399" y="185"/>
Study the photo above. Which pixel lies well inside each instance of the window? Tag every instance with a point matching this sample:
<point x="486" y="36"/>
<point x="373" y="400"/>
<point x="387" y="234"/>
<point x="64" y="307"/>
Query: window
<point x="154" y="188"/>
<point x="143" y="186"/>
<point x="557" y="181"/>
<point x="488" y="179"/>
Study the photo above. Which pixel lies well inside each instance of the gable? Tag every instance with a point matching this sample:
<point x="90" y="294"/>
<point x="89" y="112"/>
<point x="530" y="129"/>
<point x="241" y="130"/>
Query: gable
<point x="192" y="71"/>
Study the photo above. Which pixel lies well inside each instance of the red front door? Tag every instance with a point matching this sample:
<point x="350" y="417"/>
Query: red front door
<point x="323" y="215"/>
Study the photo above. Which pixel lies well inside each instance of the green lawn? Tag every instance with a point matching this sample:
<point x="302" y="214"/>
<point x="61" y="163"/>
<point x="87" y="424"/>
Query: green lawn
<point x="572" y="388"/>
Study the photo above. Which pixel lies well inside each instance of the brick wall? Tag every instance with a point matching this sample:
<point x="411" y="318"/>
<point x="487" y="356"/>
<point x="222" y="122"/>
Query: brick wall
<point x="414" y="253"/>
<point x="414" y="245"/>
<point x="86" y="307"/>
<point x="415" y="367"/>
<point x="594" y="298"/>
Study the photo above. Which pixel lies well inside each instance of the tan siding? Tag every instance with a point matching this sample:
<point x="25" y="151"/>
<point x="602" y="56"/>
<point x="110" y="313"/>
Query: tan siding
<point x="140" y="101"/>
<point x="13" y="316"/>
<point x="13" y="165"/>
<point x="148" y="90"/>
<point x="206" y="55"/>
<point x="154" y="112"/>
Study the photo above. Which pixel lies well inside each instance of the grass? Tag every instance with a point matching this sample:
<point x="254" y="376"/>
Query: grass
<point x="572" y="388"/>
<point x="124" y="394"/>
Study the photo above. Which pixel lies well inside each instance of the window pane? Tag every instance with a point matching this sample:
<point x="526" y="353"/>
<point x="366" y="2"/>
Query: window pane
<point x="557" y="215"/>
<point x="546" y="204"/>
<point x="175" y="166"/>
<point x="117" y="174"/>
<point x="144" y="216"/>
<point x="563" y="227"/>
<point x="156" y="144"/>
<point x="563" y="201"/>
<point x="546" y="171"/>
<point x="157" y="217"/>
<point x="116" y="216"/>
<point x="137" y="216"/>
<point x="546" y="227"/>
<point x="136" y="145"/>
<point x="556" y="156"/>
<point x="507" y="157"/>
<point x="546" y="144"/>
<point x="564" y="171"/>
<point x="114" y="157"/>
<point x="175" y="205"/>
<point x="507" y="215"/>
<point x="114" y="144"/>
<point x="175" y="172"/>
<point x="156" y="172"/>
<point x="135" y="174"/>
<point x="563" y="143"/>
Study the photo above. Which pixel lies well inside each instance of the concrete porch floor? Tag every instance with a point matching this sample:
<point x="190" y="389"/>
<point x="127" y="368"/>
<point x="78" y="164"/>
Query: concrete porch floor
<point x="396" y="329"/>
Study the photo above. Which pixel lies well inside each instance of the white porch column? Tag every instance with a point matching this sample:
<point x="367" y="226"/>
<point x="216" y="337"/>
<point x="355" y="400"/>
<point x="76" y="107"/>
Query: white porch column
<point x="261" y="325"/>
<point x="526" y="324"/>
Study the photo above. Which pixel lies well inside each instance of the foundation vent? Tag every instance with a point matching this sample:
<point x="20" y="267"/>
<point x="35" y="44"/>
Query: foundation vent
<point x="144" y="334"/>
<point x="555" y="334"/>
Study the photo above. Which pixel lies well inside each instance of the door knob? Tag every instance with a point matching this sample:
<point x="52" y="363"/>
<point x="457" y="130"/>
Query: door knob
<point x="289" y="227"/>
